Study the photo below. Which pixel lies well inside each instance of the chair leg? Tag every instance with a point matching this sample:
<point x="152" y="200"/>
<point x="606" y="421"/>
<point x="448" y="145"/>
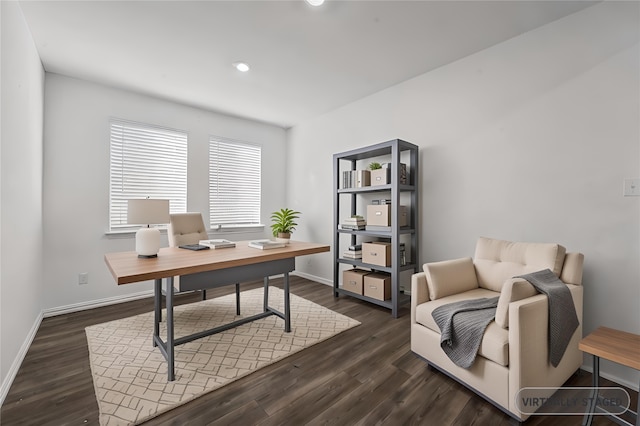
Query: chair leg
<point x="237" y="298"/>
<point x="204" y="294"/>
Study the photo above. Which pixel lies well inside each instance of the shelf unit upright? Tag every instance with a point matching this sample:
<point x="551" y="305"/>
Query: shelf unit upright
<point x="393" y="150"/>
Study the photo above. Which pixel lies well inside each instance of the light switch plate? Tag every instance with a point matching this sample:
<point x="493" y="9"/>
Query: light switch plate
<point x="631" y="187"/>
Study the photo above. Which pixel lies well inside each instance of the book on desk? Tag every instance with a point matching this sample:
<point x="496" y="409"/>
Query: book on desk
<point x="217" y="244"/>
<point x="266" y="244"/>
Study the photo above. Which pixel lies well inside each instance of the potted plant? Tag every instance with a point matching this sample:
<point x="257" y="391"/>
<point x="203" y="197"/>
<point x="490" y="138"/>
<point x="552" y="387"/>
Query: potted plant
<point x="379" y="175"/>
<point x="284" y="224"/>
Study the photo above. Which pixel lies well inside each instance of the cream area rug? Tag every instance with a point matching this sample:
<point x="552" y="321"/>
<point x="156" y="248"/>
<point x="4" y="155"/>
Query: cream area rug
<point x="130" y="375"/>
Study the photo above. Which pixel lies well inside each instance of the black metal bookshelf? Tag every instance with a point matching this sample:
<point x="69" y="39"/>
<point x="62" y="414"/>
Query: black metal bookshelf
<point x="347" y="198"/>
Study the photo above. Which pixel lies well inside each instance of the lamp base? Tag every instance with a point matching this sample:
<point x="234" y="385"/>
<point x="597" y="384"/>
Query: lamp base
<point x="148" y="242"/>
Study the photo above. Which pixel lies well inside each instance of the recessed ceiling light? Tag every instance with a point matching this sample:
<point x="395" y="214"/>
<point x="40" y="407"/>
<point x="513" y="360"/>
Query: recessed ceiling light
<point x="315" y="2"/>
<point x="241" y="66"/>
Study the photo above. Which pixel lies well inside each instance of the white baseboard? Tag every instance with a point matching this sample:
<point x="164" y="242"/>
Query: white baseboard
<point x="76" y="307"/>
<point x="82" y="306"/>
<point x="313" y="278"/>
<point x="17" y="362"/>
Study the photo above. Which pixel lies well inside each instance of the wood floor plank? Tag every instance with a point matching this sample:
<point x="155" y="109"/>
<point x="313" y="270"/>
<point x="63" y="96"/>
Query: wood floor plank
<point x="366" y="375"/>
<point x="359" y="403"/>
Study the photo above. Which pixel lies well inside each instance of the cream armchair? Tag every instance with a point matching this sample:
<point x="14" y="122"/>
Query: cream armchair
<point x="513" y="353"/>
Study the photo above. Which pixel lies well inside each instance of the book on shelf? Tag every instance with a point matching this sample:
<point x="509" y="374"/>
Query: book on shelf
<point x="377" y="228"/>
<point x="350" y="227"/>
<point x="356" y="178"/>
<point x="350" y="221"/>
<point x="354" y="219"/>
<point x="349" y="255"/>
<point x="218" y="243"/>
<point x="380" y="202"/>
<point x="355" y="247"/>
<point x="266" y="244"/>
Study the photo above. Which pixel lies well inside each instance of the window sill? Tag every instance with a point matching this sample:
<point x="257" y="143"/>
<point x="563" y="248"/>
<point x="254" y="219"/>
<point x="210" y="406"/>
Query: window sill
<point x="226" y="229"/>
<point x="235" y="229"/>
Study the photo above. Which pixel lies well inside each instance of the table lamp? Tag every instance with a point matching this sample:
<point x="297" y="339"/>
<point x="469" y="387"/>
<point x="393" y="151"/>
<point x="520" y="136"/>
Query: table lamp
<point x="147" y="212"/>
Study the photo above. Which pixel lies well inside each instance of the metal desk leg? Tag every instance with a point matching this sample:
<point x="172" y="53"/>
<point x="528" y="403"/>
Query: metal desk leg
<point x="638" y="410"/>
<point x="595" y="382"/>
<point x="157" y="296"/>
<point x="237" y="298"/>
<point x="170" y="347"/>
<point x="287" y="311"/>
<point x="265" y="305"/>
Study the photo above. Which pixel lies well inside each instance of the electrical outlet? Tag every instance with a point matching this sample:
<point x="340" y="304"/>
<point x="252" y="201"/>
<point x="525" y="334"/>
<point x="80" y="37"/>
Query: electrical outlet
<point x="83" y="278"/>
<point x="631" y="187"/>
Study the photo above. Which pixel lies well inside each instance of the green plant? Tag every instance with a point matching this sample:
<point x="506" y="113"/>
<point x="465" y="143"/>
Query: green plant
<point x="284" y="221"/>
<point x="375" y="166"/>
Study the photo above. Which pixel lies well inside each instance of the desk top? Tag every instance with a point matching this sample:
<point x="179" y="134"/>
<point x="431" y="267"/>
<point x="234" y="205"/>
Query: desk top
<point x="615" y="345"/>
<point x="127" y="268"/>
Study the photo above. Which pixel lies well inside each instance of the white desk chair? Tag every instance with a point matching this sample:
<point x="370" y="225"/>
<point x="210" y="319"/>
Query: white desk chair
<point x="188" y="228"/>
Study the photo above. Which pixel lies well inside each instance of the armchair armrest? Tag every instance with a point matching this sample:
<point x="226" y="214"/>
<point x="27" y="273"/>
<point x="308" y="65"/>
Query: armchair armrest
<point x="450" y="277"/>
<point x="419" y="292"/>
<point x="529" y="345"/>
<point x="513" y="289"/>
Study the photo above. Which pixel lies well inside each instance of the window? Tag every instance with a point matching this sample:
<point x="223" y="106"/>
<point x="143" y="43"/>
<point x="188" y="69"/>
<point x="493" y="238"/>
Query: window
<point x="234" y="183"/>
<point x="146" y="161"/>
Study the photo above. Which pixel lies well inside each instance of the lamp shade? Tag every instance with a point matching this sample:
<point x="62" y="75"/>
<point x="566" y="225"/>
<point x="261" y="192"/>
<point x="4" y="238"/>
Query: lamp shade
<point x="147" y="211"/>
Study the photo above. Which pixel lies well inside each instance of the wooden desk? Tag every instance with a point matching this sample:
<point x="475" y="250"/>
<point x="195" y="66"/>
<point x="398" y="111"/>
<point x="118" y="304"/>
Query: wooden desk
<point x="199" y="270"/>
<point x="617" y="346"/>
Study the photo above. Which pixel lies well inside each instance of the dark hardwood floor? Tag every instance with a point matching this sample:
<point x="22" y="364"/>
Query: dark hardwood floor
<point x="364" y="376"/>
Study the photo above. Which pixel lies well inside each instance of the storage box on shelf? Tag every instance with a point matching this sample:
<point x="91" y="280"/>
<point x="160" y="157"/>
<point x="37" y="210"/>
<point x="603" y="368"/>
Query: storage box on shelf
<point x="380" y="177"/>
<point x="353" y="280"/>
<point x="377" y="285"/>
<point x="387" y="222"/>
<point x="380" y="215"/>
<point x="376" y="253"/>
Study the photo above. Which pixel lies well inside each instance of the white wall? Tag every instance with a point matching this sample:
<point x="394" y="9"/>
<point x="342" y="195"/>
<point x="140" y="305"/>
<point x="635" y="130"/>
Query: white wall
<point x="528" y="140"/>
<point x="76" y="180"/>
<point x="21" y="191"/>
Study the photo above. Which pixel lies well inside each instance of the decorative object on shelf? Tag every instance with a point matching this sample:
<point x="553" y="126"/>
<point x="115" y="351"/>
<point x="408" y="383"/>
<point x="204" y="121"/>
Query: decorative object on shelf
<point x="284" y="223"/>
<point x="147" y="212"/>
<point x="379" y="175"/>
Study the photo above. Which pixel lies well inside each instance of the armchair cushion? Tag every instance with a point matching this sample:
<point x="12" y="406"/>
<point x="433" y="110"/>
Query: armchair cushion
<point x="450" y="277"/>
<point x="514" y="289"/>
<point x="495" y="341"/>
<point x="496" y="260"/>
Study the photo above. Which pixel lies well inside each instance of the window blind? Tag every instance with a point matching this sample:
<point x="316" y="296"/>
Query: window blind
<point x="146" y="161"/>
<point x="234" y="182"/>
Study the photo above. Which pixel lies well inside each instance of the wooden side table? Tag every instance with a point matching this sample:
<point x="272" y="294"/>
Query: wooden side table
<point x="613" y="345"/>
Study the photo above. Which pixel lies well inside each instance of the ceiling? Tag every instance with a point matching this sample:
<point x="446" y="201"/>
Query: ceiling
<point x="304" y="60"/>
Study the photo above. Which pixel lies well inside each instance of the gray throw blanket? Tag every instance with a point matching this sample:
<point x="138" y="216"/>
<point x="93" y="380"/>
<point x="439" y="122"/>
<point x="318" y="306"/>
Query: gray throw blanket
<point x="563" y="320"/>
<point x="462" y="326"/>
